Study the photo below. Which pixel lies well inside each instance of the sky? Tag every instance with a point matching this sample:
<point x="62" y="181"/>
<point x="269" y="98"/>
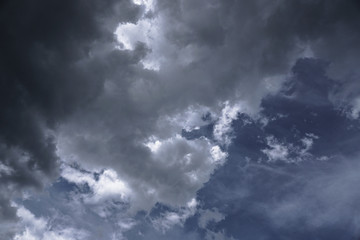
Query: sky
<point x="182" y="119"/>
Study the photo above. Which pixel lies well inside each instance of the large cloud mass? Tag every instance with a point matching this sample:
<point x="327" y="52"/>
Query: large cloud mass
<point x="53" y="61"/>
<point x="136" y="101"/>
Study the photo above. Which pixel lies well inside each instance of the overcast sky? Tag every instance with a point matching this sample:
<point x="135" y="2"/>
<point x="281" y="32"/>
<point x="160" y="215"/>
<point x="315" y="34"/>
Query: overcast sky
<point x="179" y="119"/>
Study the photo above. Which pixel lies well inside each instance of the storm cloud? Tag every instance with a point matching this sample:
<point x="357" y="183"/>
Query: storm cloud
<point x="53" y="61"/>
<point x="154" y="117"/>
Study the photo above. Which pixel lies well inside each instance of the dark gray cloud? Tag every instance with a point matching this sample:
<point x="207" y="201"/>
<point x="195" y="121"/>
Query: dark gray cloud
<point x="54" y="58"/>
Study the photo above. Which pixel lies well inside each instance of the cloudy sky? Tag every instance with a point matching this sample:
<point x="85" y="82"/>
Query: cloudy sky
<point x="181" y="119"/>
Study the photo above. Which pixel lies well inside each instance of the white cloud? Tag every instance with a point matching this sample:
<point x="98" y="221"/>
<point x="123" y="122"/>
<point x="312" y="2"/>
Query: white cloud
<point x="177" y="217"/>
<point x="307" y="142"/>
<point x="218" y="155"/>
<point x="184" y="166"/>
<point x="153" y="144"/>
<point x="287" y="152"/>
<point x="276" y="150"/>
<point x="223" y="128"/>
<point x="42" y="229"/>
<point x="108" y="185"/>
<point x="5" y="170"/>
<point x="149" y="4"/>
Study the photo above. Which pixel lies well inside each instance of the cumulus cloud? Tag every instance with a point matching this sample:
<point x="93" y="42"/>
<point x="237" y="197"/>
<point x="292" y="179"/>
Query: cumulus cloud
<point x="171" y="172"/>
<point x="107" y="185"/>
